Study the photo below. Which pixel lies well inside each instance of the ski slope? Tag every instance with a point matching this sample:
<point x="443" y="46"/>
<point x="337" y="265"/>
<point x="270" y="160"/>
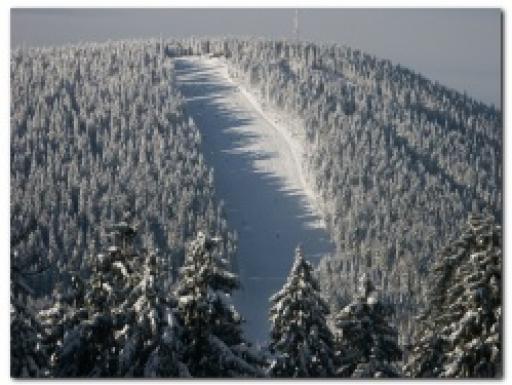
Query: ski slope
<point x="258" y="174"/>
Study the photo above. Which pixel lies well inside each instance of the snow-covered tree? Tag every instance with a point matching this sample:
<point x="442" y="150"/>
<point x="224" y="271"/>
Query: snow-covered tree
<point x="460" y="330"/>
<point x="151" y="342"/>
<point x="392" y="156"/>
<point x="105" y="129"/>
<point x="83" y="328"/>
<point x="212" y="338"/>
<point x="366" y="343"/>
<point x="121" y="323"/>
<point x="64" y="314"/>
<point x="301" y="342"/>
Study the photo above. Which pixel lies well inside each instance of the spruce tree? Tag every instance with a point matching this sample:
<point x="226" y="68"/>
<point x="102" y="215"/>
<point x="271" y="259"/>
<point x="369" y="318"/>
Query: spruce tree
<point x="59" y="319"/>
<point x="301" y="342"/>
<point x="212" y="339"/>
<point x="83" y="333"/>
<point x="460" y="330"/>
<point x="151" y="342"/>
<point x="367" y="343"/>
<point x="121" y="323"/>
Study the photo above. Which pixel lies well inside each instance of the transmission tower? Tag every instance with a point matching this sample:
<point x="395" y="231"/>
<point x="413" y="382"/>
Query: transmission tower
<point x="296" y="25"/>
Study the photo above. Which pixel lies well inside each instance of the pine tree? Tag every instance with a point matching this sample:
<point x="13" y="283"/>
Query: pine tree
<point x="84" y="332"/>
<point x="300" y="339"/>
<point x="367" y="344"/>
<point x="61" y="317"/>
<point x="120" y="323"/>
<point x="213" y="341"/>
<point x="150" y="343"/>
<point x="460" y="330"/>
<point x="114" y="276"/>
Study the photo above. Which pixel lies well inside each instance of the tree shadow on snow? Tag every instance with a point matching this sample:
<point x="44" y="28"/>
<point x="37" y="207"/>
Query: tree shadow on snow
<point x="271" y="219"/>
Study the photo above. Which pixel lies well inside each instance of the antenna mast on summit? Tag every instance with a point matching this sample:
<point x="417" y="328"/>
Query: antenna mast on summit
<point x="296" y="26"/>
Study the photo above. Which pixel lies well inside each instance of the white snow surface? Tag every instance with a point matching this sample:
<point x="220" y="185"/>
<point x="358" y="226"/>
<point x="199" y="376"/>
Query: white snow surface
<point x="289" y="159"/>
<point x="256" y="154"/>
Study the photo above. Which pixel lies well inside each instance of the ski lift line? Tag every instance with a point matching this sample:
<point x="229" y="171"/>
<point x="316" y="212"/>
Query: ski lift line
<point x="296" y="25"/>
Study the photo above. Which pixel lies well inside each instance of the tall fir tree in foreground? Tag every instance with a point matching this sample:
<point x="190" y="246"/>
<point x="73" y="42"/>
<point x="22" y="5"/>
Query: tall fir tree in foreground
<point x="212" y="338"/>
<point x="151" y="341"/>
<point x="300" y="339"/>
<point x="119" y="323"/>
<point x="367" y="343"/>
<point x="83" y="334"/>
<point x="460" y="330"/>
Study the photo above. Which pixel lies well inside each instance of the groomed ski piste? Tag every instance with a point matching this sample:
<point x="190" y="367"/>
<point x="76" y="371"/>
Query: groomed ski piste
<point x="256" y="153"/>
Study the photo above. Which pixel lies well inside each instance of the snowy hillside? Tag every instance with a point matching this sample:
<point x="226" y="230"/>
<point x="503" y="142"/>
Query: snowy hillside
<point x="159" y="189"/>
<point x="396" y="161"/>
<point x="258" y="175"/>
<point x="98" y="132"/>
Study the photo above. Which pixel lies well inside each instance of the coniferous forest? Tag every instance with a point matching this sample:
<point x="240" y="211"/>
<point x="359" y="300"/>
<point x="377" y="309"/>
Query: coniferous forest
<point x="123" y="262"/>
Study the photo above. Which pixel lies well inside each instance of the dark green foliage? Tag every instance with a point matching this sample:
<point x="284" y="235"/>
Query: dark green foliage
<point x="120" y="323"/>
<point x="366" y="344"/>
<point x="28" y="357"/>
<point x="460" y="330"/>
<point x="81" y="329"/>
<point x="151" y="341"/>
<point x="301" y="342"/>
<point x="212" y="339"/>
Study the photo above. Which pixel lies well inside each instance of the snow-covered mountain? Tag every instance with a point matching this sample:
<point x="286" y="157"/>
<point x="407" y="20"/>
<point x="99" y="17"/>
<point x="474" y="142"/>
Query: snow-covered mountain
<point x="396" y="161"/>
<point x="260" y="145"/>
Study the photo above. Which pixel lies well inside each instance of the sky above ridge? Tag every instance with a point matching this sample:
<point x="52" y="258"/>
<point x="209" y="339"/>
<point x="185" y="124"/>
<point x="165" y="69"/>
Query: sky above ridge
<point x="459" y="48"/>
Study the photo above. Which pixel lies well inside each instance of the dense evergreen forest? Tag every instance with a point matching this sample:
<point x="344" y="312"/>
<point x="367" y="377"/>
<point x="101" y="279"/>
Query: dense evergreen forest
<point x="397" y="160"/>
<point x="98" y="133"/>
<point x="123" y="263"/>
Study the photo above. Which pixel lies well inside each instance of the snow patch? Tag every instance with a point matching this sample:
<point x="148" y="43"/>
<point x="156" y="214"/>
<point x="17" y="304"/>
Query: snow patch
<point x="288" y="128"/>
